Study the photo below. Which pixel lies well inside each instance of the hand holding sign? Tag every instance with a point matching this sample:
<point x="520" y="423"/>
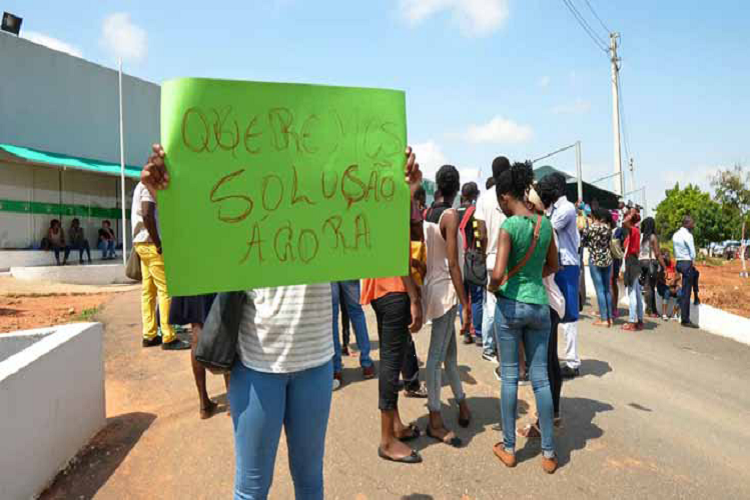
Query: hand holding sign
<point x="280" y="184"/>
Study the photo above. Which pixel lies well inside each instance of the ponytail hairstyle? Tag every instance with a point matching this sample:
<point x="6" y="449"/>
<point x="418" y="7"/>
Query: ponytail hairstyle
<point x="515" y="181"/>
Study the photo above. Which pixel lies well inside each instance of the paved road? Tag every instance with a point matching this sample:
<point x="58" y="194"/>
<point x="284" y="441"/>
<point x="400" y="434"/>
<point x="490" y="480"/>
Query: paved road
<point x="656" y="414"/>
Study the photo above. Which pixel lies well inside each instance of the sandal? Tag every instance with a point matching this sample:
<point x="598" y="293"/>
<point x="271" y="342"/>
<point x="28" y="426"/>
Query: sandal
<point x="414" y="458"/>
<point x="414" y="433"/>
<point x="208" y="411"/>
<point x="631" y="327"/>
<point x="531" y="431"/>
<point x="601" y="323"/>
<point x="455" y="441"/>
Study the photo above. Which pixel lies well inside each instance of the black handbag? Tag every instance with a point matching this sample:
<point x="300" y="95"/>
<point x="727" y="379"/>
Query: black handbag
<point x="475" y="268"/>
<point x="217" y="346"/>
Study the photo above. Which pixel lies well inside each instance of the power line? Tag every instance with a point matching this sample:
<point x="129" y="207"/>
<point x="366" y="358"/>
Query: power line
<point x="553" y="153"/>
<point x="589" y="31"/>
<point x="591" y="8"/>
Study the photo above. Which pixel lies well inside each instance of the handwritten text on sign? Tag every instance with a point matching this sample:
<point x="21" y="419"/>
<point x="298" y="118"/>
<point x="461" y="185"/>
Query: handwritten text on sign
<point x="278" y="184"/>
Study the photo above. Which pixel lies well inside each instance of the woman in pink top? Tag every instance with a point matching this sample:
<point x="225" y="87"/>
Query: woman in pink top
<point x="443" y="290"/>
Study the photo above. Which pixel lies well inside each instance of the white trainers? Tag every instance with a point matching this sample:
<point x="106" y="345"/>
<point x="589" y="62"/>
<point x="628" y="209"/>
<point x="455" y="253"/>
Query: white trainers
<point x="336" y="384"/>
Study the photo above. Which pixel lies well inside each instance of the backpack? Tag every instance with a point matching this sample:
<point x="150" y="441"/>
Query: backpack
<point x="475" y="265"/>
<point x="615" y="245"/>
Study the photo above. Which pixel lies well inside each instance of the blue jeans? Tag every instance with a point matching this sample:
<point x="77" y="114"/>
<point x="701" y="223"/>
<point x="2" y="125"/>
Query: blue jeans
<point x="489" y="345"/>
<point x="108" y="248"/>
<point x="476" y="295"/>
<point x="261" y="404"/>
<point x="350" y="290"/>
<point x="600" y="276"/>
<point x="530" y="323"/>
<point x="635" y="299"/>
<point x="686" y="269"/>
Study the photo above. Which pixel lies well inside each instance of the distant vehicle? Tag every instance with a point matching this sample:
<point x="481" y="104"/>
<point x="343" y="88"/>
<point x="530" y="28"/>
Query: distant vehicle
<point x="731" y="250"/>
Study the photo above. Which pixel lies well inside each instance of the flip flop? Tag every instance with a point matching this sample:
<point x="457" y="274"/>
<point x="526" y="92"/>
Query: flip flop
<point x="455" y="441"/>
<point x="414" y="458"/>
<point x="415" y="433"/>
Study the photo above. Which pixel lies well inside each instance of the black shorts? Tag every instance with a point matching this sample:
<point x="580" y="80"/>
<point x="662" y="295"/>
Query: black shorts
<point x="188" y="310"/>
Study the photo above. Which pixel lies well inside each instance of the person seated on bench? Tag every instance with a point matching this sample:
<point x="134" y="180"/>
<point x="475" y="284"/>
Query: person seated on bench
<point x="78" y="241"/>
<point x="106" y="241"/>
<point x="55" y="241"/>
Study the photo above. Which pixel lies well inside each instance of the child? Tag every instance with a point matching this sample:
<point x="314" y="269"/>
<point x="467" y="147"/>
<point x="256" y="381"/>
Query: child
<point x="668" y="287"/>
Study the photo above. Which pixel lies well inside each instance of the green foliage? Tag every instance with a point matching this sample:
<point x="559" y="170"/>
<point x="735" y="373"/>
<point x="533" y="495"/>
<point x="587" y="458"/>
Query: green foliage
<point x="732" y="188"/>
<point x="87" y="315"/>
<point x="713" y="221"/>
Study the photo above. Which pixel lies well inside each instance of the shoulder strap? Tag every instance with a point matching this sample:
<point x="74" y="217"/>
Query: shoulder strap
<point x="464" y="222"/>
<point x="517" y="268"/>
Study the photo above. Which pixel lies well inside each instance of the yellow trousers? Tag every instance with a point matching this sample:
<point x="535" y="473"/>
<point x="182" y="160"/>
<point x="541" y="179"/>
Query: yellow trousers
<point x="154" y="285"/>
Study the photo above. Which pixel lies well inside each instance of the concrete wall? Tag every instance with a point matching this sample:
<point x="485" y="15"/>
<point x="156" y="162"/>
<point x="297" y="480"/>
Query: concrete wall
<point x="51" y="404"/>
<point x="97" y="274"/>
<point x="60" y="103"/>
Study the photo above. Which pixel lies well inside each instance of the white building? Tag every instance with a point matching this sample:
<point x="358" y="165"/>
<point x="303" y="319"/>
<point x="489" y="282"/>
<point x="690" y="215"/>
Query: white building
<point x="59" y="141"/>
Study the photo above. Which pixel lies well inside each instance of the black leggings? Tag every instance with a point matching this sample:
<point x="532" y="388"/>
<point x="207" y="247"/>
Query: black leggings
<point x="553" y="363"/>
<point x="393" y="314"/>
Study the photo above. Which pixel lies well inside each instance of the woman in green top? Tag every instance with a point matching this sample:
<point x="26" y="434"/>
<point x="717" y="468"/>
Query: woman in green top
<point x="526" y="253"/>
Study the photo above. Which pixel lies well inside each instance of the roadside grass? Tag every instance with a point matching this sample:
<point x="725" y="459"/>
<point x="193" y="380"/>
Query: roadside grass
<point x="87" y="315"/>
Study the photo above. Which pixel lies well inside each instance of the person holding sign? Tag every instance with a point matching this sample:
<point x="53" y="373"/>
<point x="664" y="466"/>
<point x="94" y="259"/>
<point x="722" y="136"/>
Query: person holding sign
<point x="443" y="289"/>
<point x="283" y="374"/>
<point x="526" y="253"/>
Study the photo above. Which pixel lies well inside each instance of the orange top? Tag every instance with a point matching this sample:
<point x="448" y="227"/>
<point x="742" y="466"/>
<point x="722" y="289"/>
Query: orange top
<point x="375" y="288"/>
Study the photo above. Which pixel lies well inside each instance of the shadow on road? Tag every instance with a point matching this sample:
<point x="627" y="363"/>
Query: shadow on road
<point x="485" y="415"/>
<point x="93" y="465"/>
<point x="417" y="496"/>
<point x="578" y="429"/>
<point x="594" y="367"/>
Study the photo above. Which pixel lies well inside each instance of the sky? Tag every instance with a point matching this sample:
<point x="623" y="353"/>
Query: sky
<point x="482" y="77"/>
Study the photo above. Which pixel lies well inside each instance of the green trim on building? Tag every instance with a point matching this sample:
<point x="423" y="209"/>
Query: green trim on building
<point x="38" y="208"/>
<point x="65" y="161"/>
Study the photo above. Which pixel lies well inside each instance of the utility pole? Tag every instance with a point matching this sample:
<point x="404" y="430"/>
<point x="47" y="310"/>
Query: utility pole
<point x="632" y="176"/>
<point x="579" y="171"/>
<point x="620" y="180"/>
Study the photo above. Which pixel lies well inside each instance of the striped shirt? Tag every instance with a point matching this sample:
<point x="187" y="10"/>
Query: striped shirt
<point x="287" y="329"/>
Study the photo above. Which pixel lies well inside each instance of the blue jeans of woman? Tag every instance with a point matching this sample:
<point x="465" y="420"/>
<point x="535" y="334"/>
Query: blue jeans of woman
<point x="107" y="248"/>
<point x="443" y="351"/>
<point x="263" y="403"/>
<point x="600" y="276"/>
<point x="348" y="292"/>
<point x="635" y="299"/>
<point x="515" y="322"/>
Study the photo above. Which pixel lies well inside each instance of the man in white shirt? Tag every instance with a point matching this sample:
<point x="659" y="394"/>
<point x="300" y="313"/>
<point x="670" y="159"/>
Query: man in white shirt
<point x="563" y="216"/>
<point x="684" y="254"/>
<point x="491" y="218"/>
<point x="147" y="244"/>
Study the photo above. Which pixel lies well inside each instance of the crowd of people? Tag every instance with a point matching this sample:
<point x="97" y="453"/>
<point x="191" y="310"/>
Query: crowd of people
<point x="56" y="241"/>
<point x="507" y="264"/>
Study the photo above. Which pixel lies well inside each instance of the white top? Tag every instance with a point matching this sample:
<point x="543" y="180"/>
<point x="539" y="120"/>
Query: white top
<point x="645" y="253"/>
<point x="684" y="245"/>
<point x="140" y="233"/>
<point x="488" y="211"/>
<point x="438" y="293"/>
<point x="287" y="329"/>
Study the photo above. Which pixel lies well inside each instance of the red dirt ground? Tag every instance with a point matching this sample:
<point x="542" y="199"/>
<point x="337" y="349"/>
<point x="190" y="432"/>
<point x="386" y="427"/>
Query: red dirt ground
<point x="722" y="287"/>
<point x="23" y="312"/>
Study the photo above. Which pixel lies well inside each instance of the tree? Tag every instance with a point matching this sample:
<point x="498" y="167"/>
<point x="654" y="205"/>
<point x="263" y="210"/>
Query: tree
<point x="712" y="220"/>
<point x="732" y="188"/>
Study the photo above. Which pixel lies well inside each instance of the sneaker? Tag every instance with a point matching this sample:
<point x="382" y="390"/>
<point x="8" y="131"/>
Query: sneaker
<point x="489" y="356"/>
<point x="336" y="384"/>
<point x="151" y="342"/>
<point x="697" y="302"/>
<point x="176" y="345"/>
<point x="368" y="372"/>
<point x="498" y="375"/>
<point x="689" y="325"/>
<point x="568" y="372"/>
<point x="478" y="340"/>
<point x="665" y="317"/>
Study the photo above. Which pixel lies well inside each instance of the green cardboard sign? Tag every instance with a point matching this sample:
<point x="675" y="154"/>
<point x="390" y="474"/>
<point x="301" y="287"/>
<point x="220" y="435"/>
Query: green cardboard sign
<point x="278" y="184"/>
